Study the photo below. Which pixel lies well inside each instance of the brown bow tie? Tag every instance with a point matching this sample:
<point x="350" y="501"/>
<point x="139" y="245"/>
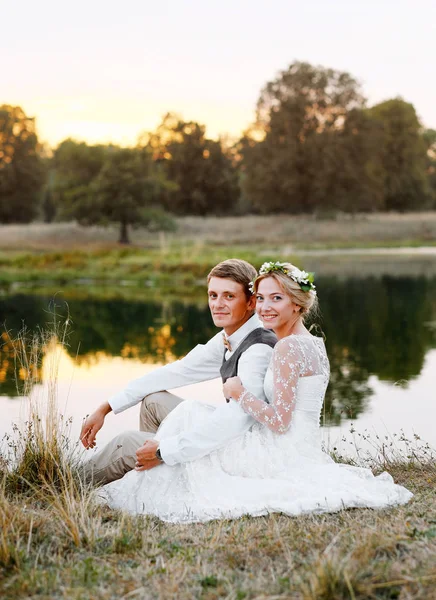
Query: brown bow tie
<point x="226" y="343"/>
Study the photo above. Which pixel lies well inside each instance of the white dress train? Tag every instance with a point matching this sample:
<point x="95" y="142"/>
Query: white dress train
<point x="277" y="466"/>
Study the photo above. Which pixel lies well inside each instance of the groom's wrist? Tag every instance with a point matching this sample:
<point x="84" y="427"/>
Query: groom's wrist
<point x="170" y="451"/>
<point x="104" y="409"/>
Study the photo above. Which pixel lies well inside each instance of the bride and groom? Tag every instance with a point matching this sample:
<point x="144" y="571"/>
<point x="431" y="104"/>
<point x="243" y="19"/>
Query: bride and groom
<point x="261" y="451"/>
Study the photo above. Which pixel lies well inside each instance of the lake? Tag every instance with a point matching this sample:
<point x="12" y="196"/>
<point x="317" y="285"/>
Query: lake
<point x="380" y="333"/>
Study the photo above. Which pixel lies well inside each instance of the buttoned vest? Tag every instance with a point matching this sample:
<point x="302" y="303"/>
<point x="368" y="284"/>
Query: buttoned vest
<point x="229" y="368"/>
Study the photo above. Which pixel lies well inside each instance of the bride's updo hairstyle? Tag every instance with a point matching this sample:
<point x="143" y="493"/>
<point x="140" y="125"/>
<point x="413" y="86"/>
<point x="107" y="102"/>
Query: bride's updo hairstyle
<point x="307" y="300"/>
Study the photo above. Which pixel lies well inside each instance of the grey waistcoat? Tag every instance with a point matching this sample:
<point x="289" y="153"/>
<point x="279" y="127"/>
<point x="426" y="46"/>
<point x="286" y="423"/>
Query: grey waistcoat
<point x="229" y="368"/>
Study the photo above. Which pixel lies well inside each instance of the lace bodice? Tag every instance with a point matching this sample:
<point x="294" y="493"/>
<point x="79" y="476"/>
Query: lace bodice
<point x="297" y="379"/>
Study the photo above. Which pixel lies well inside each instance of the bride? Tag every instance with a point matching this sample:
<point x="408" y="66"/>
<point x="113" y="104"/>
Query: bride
<point x="278" y="465"/>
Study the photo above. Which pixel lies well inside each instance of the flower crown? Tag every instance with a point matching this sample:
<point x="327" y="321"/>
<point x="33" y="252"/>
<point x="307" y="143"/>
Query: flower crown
<point x="305" y="280"/>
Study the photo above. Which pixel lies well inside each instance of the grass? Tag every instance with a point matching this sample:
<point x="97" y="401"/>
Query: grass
<point x="57" y="542"/>
<point x="150" y="270"/>
<point x="60" y="544"/>
<point x="294" y="232"/>
<point x="95" y="553"/>
<point x="68" y="257"/>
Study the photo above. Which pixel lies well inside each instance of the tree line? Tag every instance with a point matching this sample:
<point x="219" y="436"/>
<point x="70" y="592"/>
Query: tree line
<point x="315" y="147"/>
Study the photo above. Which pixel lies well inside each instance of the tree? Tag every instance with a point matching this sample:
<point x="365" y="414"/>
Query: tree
<point x="403" y="155"/>
<point x="349" y="176"/>
<point x="123" y="191"/>
<point x="74" y="167"/>
<point x="429" y="137"/>
<point x="298" y="115"/>
<point x="205" y="177"/>
<point x="21" y="169"/>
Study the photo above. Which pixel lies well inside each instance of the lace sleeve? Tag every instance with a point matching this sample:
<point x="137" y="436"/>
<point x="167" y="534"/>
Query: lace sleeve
<point x="288" y="364"/>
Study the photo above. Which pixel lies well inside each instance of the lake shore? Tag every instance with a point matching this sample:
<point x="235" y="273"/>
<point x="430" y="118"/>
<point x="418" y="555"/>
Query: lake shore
<point x="66" y="257"/>
<point x="142" y="275"/>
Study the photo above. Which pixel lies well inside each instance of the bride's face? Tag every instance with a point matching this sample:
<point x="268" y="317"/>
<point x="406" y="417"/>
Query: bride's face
<point x="274" y="307"/>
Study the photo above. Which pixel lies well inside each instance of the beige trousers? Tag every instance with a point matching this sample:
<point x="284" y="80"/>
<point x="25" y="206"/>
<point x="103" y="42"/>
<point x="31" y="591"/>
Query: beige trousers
<point x="119" y="455"/>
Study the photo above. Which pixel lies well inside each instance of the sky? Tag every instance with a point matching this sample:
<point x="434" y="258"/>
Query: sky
<point x="105" y="71"/>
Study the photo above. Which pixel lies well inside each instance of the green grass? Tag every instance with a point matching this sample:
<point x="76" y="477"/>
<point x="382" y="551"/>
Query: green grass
<point x="65" y="256"/>
<point x="182" y="267"/>
<point x="178" y="271"/>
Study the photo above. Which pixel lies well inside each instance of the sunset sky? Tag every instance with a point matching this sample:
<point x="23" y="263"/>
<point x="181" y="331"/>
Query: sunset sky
<point x="104" y="71"/>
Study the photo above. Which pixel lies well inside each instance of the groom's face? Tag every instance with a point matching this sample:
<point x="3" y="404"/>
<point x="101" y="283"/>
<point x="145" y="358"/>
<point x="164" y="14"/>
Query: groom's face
<point x="228" y="304"/>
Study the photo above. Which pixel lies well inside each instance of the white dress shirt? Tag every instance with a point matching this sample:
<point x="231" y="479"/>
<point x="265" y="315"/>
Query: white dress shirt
<point x="201" y="364"/>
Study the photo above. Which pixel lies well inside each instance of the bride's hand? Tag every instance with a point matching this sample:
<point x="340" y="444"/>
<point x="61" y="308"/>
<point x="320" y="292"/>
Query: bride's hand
<point x="233" y="388"/>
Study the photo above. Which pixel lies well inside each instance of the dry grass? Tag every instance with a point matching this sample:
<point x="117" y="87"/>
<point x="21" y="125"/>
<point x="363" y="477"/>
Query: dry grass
<point x="97" y="553"/>
<point x="37" y="453"/>
<point x="56" y="541"/>
<point x="295" y="232"/>
<point x="311" y="232"/>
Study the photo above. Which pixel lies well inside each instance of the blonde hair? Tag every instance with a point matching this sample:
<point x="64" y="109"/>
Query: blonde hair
<point x="236" y="269"/>
<point x="308" y="301"/>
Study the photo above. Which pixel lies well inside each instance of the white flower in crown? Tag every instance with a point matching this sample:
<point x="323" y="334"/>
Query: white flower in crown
<point x="268" y="267"/>
<point x="303" y="278"/>
<point x="299" y="276"/>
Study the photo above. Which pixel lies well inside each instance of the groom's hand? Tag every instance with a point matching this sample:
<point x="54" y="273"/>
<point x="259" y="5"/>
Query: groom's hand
<point x="92" y="425"/>
<point x="146" y="456"/>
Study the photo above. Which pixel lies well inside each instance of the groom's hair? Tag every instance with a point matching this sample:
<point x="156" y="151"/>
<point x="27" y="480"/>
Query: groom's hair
<point x="236" y="269"/>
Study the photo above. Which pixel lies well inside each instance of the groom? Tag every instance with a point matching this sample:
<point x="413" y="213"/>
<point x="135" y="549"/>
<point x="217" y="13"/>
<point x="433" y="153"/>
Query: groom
<point x="243" y="348"/>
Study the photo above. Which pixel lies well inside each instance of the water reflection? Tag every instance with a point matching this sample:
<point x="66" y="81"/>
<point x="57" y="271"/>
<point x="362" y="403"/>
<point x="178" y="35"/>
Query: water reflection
<point x="373" y="326"/>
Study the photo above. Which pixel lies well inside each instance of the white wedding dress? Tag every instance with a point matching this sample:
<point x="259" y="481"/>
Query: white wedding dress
<point x="276" y="468"/>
